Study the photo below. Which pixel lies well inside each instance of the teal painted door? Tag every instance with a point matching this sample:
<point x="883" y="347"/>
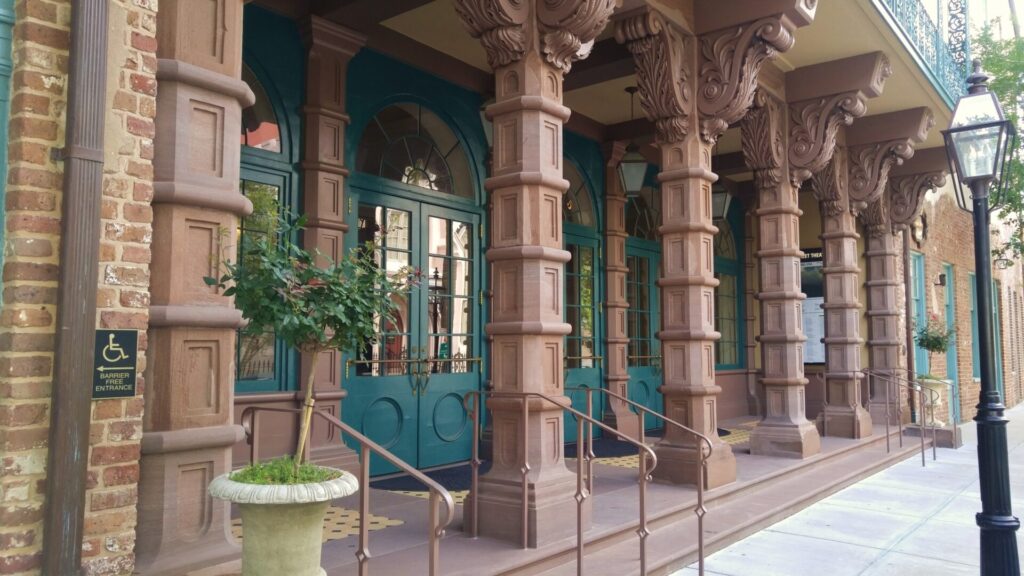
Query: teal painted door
<point x="952" y="359"/>
<point x="643" y="360"/>
<point x="918" y="309"/>
<point x="583" y="361"/>
<point x="405" y="392"/>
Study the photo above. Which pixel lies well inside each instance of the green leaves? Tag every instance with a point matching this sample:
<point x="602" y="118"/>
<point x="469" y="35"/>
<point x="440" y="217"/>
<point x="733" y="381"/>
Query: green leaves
<point x="280" y="287"/>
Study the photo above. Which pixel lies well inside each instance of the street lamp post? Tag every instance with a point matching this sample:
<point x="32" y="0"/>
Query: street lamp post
<point x="979" y="143"/>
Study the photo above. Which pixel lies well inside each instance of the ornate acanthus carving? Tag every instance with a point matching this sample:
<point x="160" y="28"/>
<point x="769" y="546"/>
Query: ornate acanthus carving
<point x="568" y="28"/>
<point x="906" y="195"/>
<point x="764" y="146"/>
<point x="830" y="186"/>
<point x="659" y="54"/>
<point x="876" y="218"/>
<point x="729" y="63"/>
<point x="814" y="125"/>
<point x="500" y="25"/>
<point x="870" y="165"/>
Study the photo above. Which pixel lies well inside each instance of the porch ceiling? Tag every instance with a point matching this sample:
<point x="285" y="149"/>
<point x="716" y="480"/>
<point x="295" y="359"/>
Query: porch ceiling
<point x="595" y="88"/>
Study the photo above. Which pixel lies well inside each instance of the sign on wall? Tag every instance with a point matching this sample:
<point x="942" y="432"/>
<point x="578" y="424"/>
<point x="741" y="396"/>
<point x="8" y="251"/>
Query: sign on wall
<point x="116" y="362"/>
<point x="813" y="282"/>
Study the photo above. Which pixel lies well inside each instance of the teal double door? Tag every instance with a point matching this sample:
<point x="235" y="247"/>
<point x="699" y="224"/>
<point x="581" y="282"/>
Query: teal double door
<point x="643" y="318"/>
<point x="583" y="360"/>
<point x="406" y="391"/>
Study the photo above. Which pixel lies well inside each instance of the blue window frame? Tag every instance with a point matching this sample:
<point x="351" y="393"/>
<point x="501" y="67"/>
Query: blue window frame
<point x="952" y="357"/>
<point x="997" y="335"/>
<point x="6" y="67"/>
<point x="917" y="296"/>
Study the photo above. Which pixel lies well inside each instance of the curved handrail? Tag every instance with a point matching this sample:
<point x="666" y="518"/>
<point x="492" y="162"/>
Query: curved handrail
<point x="438" y="494"/>
<point x="909" y="384"/>
<point x="472" y="402"/>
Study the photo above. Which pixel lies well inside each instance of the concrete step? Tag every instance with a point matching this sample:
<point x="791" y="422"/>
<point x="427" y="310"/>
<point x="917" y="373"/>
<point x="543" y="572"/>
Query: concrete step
<point x="732" y="514"/>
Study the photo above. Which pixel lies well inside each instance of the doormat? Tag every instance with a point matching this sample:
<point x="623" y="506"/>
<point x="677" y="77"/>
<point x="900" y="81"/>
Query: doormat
<point x="339" y="523"/>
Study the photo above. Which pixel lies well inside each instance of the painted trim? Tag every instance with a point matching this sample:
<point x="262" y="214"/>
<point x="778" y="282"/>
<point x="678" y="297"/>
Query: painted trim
<point x="919" y="309"/>
<point x="6" y="68"/>
<point x="975" y="347"/>
<point x="997" y="335"/>
<point x="952" y="354"/>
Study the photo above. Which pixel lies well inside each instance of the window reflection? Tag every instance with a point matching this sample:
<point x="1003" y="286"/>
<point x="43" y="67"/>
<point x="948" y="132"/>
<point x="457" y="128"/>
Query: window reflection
<point x="256" y="351"/>
<point x="260" y="128"/>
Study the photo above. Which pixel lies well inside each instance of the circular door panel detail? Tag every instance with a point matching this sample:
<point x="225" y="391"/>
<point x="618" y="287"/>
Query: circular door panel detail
<point x="382" y="422"/>
<point x="642" y="392"/>
<point x="450" y="417"/>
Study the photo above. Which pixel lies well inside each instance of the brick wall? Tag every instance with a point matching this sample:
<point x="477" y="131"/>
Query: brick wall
<point x="30" y="271"/>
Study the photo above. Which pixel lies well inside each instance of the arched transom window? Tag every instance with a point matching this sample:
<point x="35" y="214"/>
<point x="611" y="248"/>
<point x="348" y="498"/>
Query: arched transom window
<point x="408" y="143"/>
<point x="260" y="127"/>
<point x="578" y="204"/>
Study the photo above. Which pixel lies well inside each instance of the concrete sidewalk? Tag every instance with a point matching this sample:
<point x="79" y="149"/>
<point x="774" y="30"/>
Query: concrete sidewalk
<point x="906" y="521"/>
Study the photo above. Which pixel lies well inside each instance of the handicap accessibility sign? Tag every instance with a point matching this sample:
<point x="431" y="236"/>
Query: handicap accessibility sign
<point x="116" y="356"/>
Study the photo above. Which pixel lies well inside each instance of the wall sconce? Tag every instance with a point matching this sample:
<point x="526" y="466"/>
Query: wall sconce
<point x="1003" y="263"/>
<point x="942" y="279"/>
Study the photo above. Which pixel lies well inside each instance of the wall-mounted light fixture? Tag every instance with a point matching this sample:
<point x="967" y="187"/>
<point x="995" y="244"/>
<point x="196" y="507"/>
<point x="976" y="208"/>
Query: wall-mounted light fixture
<point x="942" y="279"/>
<point x="1003" y="263"/>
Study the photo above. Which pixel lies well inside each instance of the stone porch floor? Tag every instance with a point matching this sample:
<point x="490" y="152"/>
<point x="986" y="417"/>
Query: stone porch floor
<point x="767" y="489"/>
<point x="905" y="521"/>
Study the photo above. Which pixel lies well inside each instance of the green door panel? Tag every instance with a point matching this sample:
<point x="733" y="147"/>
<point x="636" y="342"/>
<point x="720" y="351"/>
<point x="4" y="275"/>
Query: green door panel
<point x="643" y="319"/>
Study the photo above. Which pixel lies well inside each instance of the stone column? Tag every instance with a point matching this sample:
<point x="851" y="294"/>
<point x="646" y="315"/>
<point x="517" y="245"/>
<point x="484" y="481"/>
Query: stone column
<point x="844" y="414"/>
<point x="188" y="430"/>
<point x="784" y="430"/>
<point x="331" y="47"/>
<point x="530" y="46"/>
<point x="883" y="312"/>
<point x="617" y="412"/>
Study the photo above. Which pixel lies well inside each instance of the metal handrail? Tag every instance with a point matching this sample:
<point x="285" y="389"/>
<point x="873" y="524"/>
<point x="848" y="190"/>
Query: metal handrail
<point x="909" y="385"/>
<point x="584" y="438"/>
<point x="699" y="510"/>
<point x="438" y="494"/>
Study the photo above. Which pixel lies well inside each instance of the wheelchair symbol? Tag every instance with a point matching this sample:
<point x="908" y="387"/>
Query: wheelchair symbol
<point x="113" y="352"/>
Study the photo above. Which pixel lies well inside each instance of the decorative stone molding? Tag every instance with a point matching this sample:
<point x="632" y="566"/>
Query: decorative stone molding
<point x="875" y="218"/>
<point x="829" y="186"/>
<point x="729" y="63"/>
<point x="566" y="28"/>
<point x="822" y="98"/>
<point x="814" y="127"/>
<point x="870" y="165"/>
<point x="906" y="196"/>
<point x="764" y="146"/>
<point x="224" y="488"/>
<point x="658" y="50"/>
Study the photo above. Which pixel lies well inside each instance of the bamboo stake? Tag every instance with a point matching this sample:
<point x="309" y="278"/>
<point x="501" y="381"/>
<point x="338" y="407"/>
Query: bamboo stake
<point x="307" y="412"/>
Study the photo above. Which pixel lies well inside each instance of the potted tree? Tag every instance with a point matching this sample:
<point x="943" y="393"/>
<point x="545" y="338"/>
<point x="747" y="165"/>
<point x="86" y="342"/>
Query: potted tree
<point x="934" y="337"/>
<point x="279" y="288"/>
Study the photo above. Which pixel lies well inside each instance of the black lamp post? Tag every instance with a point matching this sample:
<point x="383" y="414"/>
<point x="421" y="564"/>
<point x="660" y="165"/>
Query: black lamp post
<point x="980" y="143"/>
<point x="436" y="287"/>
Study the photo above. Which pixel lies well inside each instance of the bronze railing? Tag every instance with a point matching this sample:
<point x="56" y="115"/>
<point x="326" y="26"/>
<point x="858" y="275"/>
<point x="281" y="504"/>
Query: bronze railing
<point x="438" y="495"/>
<point x="701" y="441"/>
<point x="584" y="466"/>
<point x="890" y="378"/>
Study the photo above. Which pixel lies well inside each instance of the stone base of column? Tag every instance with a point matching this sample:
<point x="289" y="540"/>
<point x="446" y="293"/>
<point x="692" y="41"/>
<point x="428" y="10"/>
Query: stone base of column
<point x="180" y="526"/>
<point x="551" y="508"/>
<point x="785" y="438"/>
<point x="678" y="464"/>
<point x="625" y="421"/>
<point x="848" y="421"/>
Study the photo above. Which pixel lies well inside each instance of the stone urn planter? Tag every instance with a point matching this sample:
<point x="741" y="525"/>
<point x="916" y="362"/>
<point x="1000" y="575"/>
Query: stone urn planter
<point x="941" y="388"/>
<point x="282" y="523"/>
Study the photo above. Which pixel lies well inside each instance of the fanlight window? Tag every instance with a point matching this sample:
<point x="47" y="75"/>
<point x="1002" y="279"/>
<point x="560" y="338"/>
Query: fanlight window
<point x="578" y="204"/>
<point x="260" y="128"/>
<point x="409" y="144"/>
<point x="643" y="213"/>
<point x="725" y="241"/>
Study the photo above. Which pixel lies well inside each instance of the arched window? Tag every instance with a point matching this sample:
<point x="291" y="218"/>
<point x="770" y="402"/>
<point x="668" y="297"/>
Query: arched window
<point x="408" y="143"/>
<point x="578" y="204"/>
<point x="260" y="127"/>
<point x="643" y="213"/>
<point x="729" y="293"/>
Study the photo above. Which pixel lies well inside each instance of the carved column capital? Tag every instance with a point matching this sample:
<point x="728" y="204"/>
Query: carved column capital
<point x="814" y="126"/>
<point x="659" y="50"/>
<point x="563" y="29"/>
<point x="875" y="218"/>
<point x="764" y="140"/>
<point x="730" y="60"/>
<point x="906" y="196"/>
<point x="830" y="186"/>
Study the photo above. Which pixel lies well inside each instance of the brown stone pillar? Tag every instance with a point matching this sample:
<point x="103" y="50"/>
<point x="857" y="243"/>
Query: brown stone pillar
<point x="188" y="432"/>
<point x="883" y="312"/>
<point x="617" y="412"/>
<point x="844" y="414"/>
<point x="530" y="46"/>
<point x="784" y="430"/>
<point x="331" y="47"/>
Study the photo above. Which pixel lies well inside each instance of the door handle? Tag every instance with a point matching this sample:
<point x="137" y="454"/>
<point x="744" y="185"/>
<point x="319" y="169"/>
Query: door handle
<point x="425" y="381"/>
<point x="414" y="376"/>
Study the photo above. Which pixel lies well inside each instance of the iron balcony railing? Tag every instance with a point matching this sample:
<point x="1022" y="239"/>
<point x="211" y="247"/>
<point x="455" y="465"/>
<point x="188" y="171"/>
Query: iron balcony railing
<point x="943" y="57"/>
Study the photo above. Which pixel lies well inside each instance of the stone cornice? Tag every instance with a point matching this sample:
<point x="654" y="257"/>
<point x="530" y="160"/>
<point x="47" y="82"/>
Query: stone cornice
<point x="659" y="54"/>
<point x="564" y="29"/>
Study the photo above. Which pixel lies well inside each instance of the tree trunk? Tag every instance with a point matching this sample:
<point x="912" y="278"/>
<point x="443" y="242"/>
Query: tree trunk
<point x="307" y="412"/>
<point x="1014" y="18"/>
